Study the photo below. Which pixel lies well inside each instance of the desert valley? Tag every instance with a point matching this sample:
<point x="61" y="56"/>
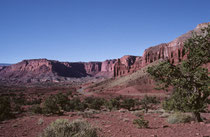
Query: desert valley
<point x="113" y="98"/>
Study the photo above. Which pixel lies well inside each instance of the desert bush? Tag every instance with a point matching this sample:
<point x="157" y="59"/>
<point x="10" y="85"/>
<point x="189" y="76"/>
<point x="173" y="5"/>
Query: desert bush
<point x="147" y="102"/>
<point x="141" y="122"/>
<point x="36" y="109"/>
<point x="113" y="103"/>
<point x="65" y="128"/>
<point x="128" y="103"/>
<point x="33" y="101"/>
<point x="179" y="117"/>
<point x="150" y="100"/>
<point x="56" y="104"/>
<point x="94" y="103"/>
<point x="76" y="104"/>
<point x="51" y="106"/>
<point x="19" y="100"/>
<point x="5" y="108"/>
<point x="16" y="108"/>
<point x="62" y="100"/>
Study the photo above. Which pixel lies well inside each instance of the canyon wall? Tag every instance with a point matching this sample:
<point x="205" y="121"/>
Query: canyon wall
<point x="172" y="51"/>
<point x="49" y="70"/>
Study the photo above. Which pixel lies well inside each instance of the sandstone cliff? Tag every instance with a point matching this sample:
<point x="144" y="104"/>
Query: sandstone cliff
<point x="172" y="51"/>
<point x="39" y="70"/>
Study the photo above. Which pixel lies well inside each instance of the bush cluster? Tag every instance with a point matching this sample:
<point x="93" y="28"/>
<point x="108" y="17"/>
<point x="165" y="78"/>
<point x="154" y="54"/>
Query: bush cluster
<point x="55" y="103"/>
<point x="141" y="123"/>
<point x="65" y="128"/>
<point x="5" y="108"/>
<point x="147" y="102"/>
<point x="179" y="118"/>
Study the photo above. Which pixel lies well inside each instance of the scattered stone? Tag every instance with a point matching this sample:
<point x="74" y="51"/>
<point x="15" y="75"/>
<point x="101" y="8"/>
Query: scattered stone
<point x="40" y="121"/>
<point x="107" y="126"/>
<point x="72" y="115"/>
<point x="192" y="122"/>
<point x="138" y="113"/>
<point x="197" y="134"/>
<point x="123" y="110"/>
<point x="15" y="125"/>
<point x="164" y="115"/>
<point x="202" y="123"/>
<point x="126" y="119"/>
<point x="165" y="126"/>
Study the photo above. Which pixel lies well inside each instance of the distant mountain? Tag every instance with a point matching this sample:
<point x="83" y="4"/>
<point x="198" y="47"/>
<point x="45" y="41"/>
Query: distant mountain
<point x="5" y="64"/>
<point x="43" y="70"/>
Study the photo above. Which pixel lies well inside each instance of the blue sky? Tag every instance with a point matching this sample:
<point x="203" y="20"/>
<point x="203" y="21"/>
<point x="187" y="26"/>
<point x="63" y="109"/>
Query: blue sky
<point x="92" y="30"/>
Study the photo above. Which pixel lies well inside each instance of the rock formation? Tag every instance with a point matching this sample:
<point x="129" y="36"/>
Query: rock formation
<point x="172" y="51"/>
<point x="127" y="64"/>
<point x="39" y="70"/>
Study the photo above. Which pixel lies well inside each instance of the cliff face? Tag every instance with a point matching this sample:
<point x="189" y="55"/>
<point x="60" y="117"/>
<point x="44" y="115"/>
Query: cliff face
<point x="42" y="70"/>
<point x="48" y="70"/>
<point x="126" y="65"/>
<point x="172" y="51"/>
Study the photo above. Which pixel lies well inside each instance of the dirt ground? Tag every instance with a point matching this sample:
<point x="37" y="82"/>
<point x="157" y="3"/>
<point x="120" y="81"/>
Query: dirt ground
<point x="110" y="124"/>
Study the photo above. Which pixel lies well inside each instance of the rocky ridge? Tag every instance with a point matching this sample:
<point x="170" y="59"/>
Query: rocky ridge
<point x="42" y="70"/>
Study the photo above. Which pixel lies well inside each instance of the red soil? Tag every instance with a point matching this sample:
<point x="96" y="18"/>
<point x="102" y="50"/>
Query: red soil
<point x="112" y="124"/>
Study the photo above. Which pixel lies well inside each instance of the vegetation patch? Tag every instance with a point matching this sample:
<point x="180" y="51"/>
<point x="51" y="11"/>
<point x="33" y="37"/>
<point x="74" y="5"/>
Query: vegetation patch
<point x="65" y="128"/>
<point x="141" y="122"/>
<point x="179" y="118"/>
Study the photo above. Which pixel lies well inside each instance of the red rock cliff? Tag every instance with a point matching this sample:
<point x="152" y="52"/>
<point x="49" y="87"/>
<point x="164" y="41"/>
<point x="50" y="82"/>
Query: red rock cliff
<point x="172" y="51"/>
<point x="127" y="64"/>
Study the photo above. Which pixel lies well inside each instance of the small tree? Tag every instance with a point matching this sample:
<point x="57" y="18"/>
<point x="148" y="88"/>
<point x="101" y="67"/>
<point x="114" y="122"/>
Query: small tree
<point x="189" y="79"/>
<point x="5" y="108"/>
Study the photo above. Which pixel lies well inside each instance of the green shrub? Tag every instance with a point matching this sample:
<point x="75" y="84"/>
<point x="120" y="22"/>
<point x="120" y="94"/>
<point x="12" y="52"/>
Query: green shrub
<point x="113" y="103"/>
<point x="19" y="100"/>
<point x="76" y="104"/>
<point x="177" y="103"/>
<point x="56" y="104"/>
<point x="5" y="108"/>
<point x="179" y="118"/>
<point x="51" y="106"/>
<point x="147" y="102"/>
<point x="141" y="122"/>
<point x="150" y="100"/>
<point x="62" y="100"/>
<point x="95" y="103"/>
<point x="64" y="128"/>
<point x="36" y="109"/>
<point x="33" y="101"/>
<point x="128" y="103"/>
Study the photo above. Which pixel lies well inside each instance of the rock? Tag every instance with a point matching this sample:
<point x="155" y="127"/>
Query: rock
<point x="127" y="64"/>
<point x="138" y="113"/>
<point x="202" y="123"/>
<point x="15" y="125"/>
<point x="107" y="126"/>
<point x="123" y="110"/>
<point x="126" y="119"/>
<point x="40" y="121"/>
<point x="164" y="115"/>
<point x="197" y="134"/>
<point x="72" y="115"/>
<point x="165" y="126"/>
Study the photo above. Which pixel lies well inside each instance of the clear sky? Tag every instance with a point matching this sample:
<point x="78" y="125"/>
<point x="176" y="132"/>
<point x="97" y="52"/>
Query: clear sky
<point x="92" y="30"/>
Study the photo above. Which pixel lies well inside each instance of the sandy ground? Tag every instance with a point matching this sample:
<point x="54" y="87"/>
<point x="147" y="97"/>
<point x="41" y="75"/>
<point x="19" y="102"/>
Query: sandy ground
<point x="111" y="124"/>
